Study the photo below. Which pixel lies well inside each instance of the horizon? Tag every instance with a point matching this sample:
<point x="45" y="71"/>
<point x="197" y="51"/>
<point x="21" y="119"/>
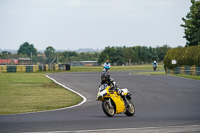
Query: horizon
<point x="79" y="49"/>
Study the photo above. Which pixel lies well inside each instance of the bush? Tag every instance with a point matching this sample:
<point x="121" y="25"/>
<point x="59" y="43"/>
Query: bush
<point x="184" y="56"/>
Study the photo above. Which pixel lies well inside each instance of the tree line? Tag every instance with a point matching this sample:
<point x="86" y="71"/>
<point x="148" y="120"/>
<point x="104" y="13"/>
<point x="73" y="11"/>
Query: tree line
<point x="133" y="55"/>
<point x="116" y="55"/>
<point x="50" y="55"/>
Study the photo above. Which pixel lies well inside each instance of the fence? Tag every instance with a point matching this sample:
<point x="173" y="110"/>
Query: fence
<point x="189" y="70"/>
<point x="33" y="68"/>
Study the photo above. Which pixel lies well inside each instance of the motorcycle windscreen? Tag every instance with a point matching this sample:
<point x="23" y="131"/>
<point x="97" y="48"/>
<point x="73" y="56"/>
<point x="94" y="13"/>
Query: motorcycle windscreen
<point x="102" y="87"/>
<point x="125" y="91"/>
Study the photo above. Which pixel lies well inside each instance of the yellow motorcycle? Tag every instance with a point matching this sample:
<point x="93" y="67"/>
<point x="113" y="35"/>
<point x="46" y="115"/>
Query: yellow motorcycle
<point x="112" y="103"/>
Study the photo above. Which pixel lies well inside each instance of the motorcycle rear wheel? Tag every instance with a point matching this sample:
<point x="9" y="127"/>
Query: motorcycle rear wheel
<point x="130" y="111"/>
<point x="109" y="111"/>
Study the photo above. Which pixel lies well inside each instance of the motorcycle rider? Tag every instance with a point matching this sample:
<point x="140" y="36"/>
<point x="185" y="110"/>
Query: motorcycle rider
<point x="106" y="66"/>
<point x="154" y="65"/>
<point x="106" y="80"/>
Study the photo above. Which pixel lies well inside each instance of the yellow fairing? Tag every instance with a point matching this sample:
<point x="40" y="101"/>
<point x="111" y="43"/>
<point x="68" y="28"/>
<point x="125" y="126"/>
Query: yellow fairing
<point x="118" y="102"/>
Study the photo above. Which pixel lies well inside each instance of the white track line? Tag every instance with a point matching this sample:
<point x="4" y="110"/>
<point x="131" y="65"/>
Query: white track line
<point x="84" y="98"/>
<point x="167" y="129"/>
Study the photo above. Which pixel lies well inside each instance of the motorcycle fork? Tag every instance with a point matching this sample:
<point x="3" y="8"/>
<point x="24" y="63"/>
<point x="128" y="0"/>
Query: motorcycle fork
<point x="109" y="103"/>
<point x="126" y="101"/>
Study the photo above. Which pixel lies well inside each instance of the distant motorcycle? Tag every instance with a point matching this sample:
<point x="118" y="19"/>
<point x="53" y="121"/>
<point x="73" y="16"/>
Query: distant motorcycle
<point x="112" y="103"/>
<point x="106" y="69"/>
<point x="154" y="67"/>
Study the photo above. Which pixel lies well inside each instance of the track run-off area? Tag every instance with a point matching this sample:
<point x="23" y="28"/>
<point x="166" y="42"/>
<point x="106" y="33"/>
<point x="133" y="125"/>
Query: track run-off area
<point x="162" y="103"/>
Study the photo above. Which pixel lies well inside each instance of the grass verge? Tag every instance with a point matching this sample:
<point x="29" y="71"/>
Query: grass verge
<point x="153" y="73"/>
<point x="163" y="73"/>
<point x="30" y="92"/>
<point x="187" y="76"/>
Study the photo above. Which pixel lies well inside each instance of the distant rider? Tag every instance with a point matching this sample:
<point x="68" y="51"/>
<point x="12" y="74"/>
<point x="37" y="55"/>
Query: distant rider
<point x="154" y="65"/>
<point x="106" y="66"/>
<point x="106" y="80"/>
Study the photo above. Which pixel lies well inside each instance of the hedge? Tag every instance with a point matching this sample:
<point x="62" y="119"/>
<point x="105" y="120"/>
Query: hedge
<point x="188" y="56"/>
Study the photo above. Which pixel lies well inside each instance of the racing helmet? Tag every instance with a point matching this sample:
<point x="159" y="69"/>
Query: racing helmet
<point x="105" y="76"/>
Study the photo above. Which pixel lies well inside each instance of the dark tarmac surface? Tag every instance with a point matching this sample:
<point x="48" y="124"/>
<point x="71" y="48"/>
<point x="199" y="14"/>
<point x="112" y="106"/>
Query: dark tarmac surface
<point x="160" y="101"/>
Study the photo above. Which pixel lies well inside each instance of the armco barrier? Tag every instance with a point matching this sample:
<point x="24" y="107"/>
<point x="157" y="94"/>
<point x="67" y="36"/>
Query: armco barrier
<point x="11" y="68"/>
<point x="29" y="68"/>
<point x="198" y="71"/>
<point x="33" y="68"/>
<point x="189" y="70"/>
<point x="56" y="67"/>
<point x="40" y="67"/>
<point x="46" y="67"/>
<point x="3" y="68"/>
<point x="177" y="70"/>
<point x="61" y="67"/>
<point x="67" y="67"/>
<point x="21" y="68"/>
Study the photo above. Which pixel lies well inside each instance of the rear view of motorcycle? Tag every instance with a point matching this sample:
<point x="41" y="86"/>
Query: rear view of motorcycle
<point x="154" y="68"/>
<point x="154" y="64"/>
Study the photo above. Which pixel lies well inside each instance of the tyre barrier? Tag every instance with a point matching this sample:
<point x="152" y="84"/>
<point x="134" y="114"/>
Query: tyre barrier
<point x="11" y="68"/>
<point x="3" y="68"/>
<point x="189" y="70"/>
<point x="32" y="68"/>
<point x="21" y="68"/>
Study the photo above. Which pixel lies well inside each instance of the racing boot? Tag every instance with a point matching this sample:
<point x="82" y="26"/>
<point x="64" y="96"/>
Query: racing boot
<point x="121" y="93"/>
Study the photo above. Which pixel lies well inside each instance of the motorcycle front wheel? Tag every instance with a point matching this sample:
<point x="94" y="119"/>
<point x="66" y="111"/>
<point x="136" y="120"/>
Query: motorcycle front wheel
<point x="130" y="111"/>
<point x="109" y="111"/>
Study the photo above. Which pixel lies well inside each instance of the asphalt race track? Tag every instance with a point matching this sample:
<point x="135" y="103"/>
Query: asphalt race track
<point x="160" y="101"/>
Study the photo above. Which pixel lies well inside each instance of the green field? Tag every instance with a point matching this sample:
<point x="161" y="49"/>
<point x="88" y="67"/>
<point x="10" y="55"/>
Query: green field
<point x="152" y="73"/>
<point x="30" y="92"/>
<point x="116" y="68"/>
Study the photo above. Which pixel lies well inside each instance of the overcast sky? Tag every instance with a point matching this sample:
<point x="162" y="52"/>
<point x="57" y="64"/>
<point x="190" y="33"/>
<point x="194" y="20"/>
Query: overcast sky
<point x="73" y="24"/>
